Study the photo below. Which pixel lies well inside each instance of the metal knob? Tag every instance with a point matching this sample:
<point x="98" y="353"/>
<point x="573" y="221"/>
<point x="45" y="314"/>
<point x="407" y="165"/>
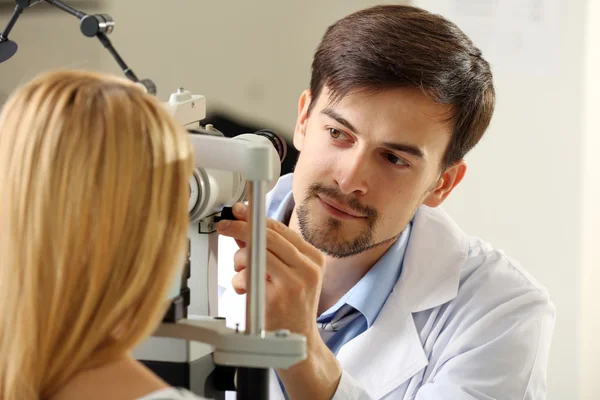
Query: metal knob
<point x="91" y="25"/>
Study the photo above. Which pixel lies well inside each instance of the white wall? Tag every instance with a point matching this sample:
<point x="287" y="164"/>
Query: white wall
<point x="250" y="57"/>
<point x="528" y="177"/>
<point x="590" y="214"/>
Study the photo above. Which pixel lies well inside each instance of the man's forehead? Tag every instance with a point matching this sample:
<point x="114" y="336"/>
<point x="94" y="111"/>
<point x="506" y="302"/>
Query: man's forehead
<point x="403" y="97"/>
<point x="410" y="101"/>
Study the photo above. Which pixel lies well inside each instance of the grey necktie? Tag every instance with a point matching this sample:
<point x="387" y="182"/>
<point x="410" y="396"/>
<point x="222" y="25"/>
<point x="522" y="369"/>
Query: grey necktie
<point x="343" y="317"/>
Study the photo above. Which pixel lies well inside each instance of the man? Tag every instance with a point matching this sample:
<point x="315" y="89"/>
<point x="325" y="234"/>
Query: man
<point x="396" y="302"/>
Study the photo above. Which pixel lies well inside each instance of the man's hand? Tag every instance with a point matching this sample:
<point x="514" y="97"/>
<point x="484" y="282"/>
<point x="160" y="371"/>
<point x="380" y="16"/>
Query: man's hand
<point x="294" y="277"/>
<point x="294" y="273"/>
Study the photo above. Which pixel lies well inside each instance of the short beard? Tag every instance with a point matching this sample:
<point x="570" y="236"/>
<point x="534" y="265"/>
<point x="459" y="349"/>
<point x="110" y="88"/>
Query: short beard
<point x="325" y="237"/>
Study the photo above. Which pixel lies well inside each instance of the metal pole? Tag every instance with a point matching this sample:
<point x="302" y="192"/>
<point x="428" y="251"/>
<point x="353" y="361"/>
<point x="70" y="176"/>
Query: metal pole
<point x="255" y="302"/>
<point x="253" y="383"/>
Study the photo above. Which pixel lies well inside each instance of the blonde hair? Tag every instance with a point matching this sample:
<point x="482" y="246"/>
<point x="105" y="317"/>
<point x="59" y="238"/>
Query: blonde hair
<point x="93" y="223"/>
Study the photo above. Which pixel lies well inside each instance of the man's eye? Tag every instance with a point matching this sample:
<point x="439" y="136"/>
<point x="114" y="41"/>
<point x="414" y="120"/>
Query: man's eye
<point x="334" y="133"/>
<point x="394" y="159"/>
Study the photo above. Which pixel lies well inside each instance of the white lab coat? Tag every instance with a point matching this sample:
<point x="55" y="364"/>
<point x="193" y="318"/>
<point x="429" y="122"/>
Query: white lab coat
<point x="464" y="321"/>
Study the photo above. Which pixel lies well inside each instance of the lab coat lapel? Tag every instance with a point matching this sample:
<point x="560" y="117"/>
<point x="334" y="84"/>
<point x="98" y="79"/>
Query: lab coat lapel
<point x="390" y="352"/>
<point x="387" y="354"/>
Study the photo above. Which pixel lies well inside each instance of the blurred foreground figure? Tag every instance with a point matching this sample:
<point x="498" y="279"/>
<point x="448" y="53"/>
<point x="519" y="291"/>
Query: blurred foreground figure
<point x="93" y="205"/>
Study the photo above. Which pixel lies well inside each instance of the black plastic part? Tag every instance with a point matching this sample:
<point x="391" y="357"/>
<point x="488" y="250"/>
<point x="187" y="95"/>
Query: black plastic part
<point x="226" y="213"/>
<point x="185" y="295"/>
<point x="253" y="383"/>
<point x="179" y="307"/>
<point x="90" y="25"/>
<point x="8" y="48"/>
<point x="223" y="378"/>
<point x="279" y="143"/>
<point x="177" y="310"/>
<point x="186" y="274"/>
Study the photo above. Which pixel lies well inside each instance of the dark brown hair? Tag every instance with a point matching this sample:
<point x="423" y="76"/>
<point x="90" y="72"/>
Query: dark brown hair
<point x="392" y="46"/>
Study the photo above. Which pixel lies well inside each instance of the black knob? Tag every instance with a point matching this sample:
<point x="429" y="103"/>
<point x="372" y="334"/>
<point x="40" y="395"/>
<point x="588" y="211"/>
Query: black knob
<point x="91" y="25"/>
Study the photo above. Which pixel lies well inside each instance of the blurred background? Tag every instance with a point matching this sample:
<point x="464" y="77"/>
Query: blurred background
<point x="533" y="181"/>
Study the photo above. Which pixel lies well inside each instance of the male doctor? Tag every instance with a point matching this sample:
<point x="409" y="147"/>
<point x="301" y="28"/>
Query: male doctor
<point x="396" y="302"/>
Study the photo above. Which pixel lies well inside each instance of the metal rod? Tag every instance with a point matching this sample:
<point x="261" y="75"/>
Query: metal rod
<point x="255" y="301"/>
<point x="11" y="23"/>
<point x="67" y="8"/>
<point x="124" y="67"/>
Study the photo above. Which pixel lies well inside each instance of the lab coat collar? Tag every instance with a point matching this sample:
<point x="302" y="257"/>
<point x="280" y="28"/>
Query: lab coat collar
<point x="434" y="259"/>
<point x="390" y="352"/>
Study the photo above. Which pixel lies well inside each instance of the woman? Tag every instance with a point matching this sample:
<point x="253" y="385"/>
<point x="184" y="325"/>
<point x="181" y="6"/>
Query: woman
<point x="93" y="211"/>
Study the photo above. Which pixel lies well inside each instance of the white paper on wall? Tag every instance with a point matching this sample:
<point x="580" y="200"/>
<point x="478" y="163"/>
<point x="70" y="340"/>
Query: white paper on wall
<point x="523" y="35"/>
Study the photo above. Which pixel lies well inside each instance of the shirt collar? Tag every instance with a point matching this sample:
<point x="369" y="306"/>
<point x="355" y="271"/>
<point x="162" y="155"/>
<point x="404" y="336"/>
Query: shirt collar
<point x="281" y="202"/>
<point x="372" y="291"/>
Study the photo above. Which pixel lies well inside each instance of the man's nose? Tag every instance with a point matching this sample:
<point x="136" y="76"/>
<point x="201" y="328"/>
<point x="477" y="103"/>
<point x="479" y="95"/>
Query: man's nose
<point x="352" y="173"/>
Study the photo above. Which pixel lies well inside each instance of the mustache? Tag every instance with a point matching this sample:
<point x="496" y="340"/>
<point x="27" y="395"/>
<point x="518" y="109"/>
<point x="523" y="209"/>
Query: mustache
<point x="317" y="188"/>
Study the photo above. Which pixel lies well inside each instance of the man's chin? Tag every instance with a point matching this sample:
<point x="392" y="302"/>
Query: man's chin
<point x="331" y="232"/>
<point x="332" y="236"/>
<point x="340" y="251"/>
<point x="338" y="247"/>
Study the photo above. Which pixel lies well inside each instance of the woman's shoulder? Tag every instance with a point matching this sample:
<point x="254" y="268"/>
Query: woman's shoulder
<point x="171" y="394"/>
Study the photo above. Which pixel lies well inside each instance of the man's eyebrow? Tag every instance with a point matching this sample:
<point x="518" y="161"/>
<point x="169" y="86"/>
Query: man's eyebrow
<point x="331" y="113"/>
<point x="405" y="148"/>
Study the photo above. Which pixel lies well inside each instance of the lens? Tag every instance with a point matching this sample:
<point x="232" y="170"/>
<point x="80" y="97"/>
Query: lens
<point x="279" y="143"/>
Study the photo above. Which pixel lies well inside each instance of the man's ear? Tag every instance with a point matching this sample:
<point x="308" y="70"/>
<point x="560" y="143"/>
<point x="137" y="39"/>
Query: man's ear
<point x="447" y="182"/>
<point x="300" y="129"/>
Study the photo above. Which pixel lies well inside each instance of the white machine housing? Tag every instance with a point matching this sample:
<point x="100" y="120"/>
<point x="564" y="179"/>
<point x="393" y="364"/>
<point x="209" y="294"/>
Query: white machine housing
<point x="227" y="170"/>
